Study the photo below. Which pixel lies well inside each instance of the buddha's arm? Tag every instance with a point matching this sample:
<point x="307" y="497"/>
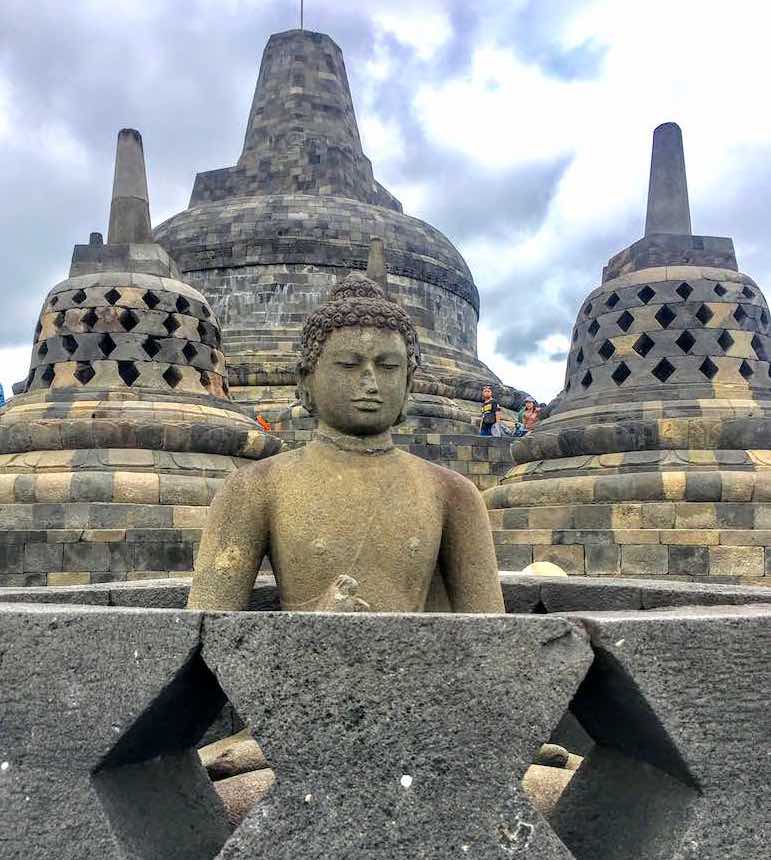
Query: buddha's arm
<point x="467" y="556"/>
<point x="233" y="545"/>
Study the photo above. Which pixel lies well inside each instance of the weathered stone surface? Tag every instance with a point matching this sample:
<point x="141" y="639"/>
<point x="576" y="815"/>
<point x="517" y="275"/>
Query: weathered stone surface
<point x="89" y="698"/>
<point x="394" y="724"/>
<point x="660" y="693"/>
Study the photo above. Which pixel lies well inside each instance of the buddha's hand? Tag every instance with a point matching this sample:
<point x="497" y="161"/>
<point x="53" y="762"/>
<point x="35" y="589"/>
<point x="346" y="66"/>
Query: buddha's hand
<point x="341" y="597"/>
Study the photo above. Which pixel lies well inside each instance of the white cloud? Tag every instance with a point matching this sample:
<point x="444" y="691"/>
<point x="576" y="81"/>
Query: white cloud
<point x="425" y="27"/>
<point x="539" y="374"/>
<point x="14" y="366"/>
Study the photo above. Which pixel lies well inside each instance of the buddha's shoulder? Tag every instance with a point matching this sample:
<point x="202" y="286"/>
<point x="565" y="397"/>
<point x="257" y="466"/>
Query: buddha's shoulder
<point x="265" y="470"/>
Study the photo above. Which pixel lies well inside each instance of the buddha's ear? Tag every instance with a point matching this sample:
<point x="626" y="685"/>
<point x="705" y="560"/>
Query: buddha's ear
<point x="403" y="411"/>
<point x="304" y="393"/>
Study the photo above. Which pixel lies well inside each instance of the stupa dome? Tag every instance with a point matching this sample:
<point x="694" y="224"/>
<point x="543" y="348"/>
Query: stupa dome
<point x="267" y="239"/>
<point x="111" y="454"/>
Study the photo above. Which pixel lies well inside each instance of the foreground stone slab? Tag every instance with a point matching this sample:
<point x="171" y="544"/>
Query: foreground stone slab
<point x="99" y="709"/>
<point x="677" y="702"/>
<point x="396" y="736"/>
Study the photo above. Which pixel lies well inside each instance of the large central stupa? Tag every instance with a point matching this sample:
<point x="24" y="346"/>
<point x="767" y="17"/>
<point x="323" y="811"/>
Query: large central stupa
<point x="266" y="239"/>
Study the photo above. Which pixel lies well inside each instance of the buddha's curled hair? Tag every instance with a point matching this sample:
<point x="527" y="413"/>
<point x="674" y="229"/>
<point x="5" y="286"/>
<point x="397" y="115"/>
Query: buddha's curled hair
<point x="358" y="301"/>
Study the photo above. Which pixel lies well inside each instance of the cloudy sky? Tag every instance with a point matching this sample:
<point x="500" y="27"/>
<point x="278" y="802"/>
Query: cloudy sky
<point x="520" y="128"/>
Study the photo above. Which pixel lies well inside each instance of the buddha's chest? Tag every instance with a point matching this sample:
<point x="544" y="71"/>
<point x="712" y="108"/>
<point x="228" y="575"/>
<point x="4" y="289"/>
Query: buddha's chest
<point x="379" y="524"/>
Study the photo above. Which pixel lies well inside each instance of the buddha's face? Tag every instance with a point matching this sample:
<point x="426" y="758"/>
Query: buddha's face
<point x="359" y="385"/>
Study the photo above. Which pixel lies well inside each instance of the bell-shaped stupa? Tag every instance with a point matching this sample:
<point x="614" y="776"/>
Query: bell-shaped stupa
<point x="656" y="456"/>
<point x="124" y="430"/>
<point x="266" y="240"/>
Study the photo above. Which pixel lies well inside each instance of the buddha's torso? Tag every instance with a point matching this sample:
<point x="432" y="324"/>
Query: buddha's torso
<point x="375" y="517"/>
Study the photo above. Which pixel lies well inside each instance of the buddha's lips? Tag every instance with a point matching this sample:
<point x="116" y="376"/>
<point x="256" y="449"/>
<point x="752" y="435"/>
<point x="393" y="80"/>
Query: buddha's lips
<point x="367" y="403"/>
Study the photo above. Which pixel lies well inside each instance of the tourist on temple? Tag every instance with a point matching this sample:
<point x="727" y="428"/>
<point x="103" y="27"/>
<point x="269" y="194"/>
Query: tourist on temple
<point x="491" y="412"/>
<point x="529" y="414"/>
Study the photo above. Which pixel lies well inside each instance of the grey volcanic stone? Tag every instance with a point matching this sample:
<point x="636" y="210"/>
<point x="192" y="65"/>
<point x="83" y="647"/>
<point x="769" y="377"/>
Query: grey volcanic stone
<point x="677" y="704"/>
<point x="668" y="210"/>
<point x="89" y="698"/>
<point x="396" y="736"/>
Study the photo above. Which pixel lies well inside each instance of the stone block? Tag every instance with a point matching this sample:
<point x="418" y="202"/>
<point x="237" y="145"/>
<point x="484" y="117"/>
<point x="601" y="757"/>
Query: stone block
<point x="744" y="561"/>
<point x="693" y="515"/>
<point x="121" y="557"/>
<point x="407" y="738"/>
<point x="42" y="557"/>
<point x="591" y="516"/>
<point x="655" y="784"/>
<point x="138" y="488"/>
<point x="602" y="560"/>
<point x="516" y="518"/>
<point x="53" y="487"/>
<point x="65" y="578"/>
<point x="529" y="536"/>
<point x="514" y="556"/>
<point x="636" y="536"/>
<point x="189" y="516"/>
<point x="113" y="775"/>
<point x="63" y="535"/>
<point x="163" y="556"/>
<point x="569" y="558"/>
<point x="644" y="560"/>
<point x="658" y="515"/>
<point x="551" y="517"/>
<point x="104" y="535"/>
<point x="703" y="486"/>
<point x="91" y="487"/>
<point x="690" y="537"/>
<point x="11" y="558"/>
<point x="626" y="516"/>
<point x="746" y="537"/>
<point x="85" y="556"/>
<point x="688" y="560"/>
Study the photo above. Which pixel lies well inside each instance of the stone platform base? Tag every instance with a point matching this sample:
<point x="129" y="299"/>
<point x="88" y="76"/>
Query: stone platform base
<point x="719" y="554"/>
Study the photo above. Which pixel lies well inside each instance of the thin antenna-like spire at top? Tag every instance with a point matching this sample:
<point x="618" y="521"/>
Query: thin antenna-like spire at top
<point x="302" y="14"/>
<point x="130" y="207"/>
<point x="668" y="210"/>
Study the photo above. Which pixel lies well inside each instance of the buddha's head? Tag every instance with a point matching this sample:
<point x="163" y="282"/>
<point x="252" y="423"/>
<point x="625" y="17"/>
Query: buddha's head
<point x="358" y="353"/>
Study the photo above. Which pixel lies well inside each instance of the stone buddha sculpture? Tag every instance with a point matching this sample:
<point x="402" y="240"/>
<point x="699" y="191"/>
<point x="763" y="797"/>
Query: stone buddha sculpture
<point x="349" y="521"/>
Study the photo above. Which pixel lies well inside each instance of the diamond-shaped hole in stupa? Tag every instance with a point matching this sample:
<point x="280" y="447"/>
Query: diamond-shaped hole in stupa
<point x="184" y="775"/>
<point x="626" y="792"/>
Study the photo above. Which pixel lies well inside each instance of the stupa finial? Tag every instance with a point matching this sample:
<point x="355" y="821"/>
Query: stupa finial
<point x="130" y="207"/>
<point x="376" y="265"/>
<point x="668" y="209"/>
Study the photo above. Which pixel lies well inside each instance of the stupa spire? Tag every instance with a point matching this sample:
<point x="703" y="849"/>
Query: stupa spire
<point x="130" y="207"/>
<point x="376" y="264"/>
<point x="668" y="209"/>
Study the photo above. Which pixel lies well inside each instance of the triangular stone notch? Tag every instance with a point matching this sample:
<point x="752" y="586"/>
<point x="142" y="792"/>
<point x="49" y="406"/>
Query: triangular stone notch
<point x="155" y="792"/>
<point x="630" y="799"/>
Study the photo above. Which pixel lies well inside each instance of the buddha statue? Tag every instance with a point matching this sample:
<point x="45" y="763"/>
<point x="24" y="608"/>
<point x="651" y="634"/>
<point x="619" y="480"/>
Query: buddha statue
<point x="349" y="521"/>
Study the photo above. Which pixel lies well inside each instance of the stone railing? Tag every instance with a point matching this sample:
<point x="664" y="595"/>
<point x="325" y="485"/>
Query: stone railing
<point x="391" y="736"/>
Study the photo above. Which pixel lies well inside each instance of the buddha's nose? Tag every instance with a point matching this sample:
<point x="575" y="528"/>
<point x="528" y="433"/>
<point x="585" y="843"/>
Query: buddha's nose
<point x="369" y="379"/>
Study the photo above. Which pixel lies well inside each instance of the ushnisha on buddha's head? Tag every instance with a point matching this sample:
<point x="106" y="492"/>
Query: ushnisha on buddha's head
<point x="358" y="353"/>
